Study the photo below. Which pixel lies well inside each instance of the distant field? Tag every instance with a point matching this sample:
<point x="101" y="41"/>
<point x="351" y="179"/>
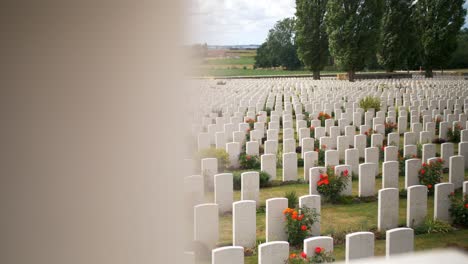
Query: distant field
<point x="251" y="72"/>
<point x="245" y="60"/>
<point x="228" y="63"/>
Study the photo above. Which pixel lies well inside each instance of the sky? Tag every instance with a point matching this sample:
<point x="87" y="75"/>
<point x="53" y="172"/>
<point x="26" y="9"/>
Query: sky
<point x="238" y="22"/>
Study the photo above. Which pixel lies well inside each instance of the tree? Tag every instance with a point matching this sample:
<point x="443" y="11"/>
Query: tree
<point x="264" y="58"/>
<point x="279" y="48"/>
<point x="394" y="33"/>
<point x="460" y="56"/>
<point x="438" y="23"/>
<point x="311" y="35"/>
<point x="353" y="31"/>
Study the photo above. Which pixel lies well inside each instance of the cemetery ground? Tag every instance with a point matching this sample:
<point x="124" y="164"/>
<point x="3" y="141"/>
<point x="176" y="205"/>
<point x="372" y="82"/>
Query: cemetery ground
<point x="337" y="220"/>
<point x="228" y="140"/>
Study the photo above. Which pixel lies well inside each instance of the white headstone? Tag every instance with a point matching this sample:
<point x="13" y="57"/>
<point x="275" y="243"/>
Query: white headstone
<point x="399" y="241"/>
<point x="228" y="255"/>
<point x="416" y="210"/>
<point x="273" y="252"/>
<point x="388" y="208"/>
<point x="359" y="245"/>
<point x="312" y="202"/>
<point x="244" y="227"/>
<point x="412" y="167"/>
<point x="442" y="201"/>
<point x="268" y="165"/>
<point x="457" y="171"/>
<point x="275" y="227"/>
<point x="206" y="224"/>
<point x="223" y="187"/>
<point x="366" y="179"/>
<point x="289" y="166"/>
<point x="323" y="242"/>
<point x="250" y="186"/>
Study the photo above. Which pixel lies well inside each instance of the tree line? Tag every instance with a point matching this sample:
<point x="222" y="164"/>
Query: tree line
<point x="353" y="35"/>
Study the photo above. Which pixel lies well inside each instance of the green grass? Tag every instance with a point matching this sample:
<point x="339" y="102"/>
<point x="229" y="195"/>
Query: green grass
<point x="245" y="60"/>
<point x="340" y="219"/>
<point x="255" y="72"/>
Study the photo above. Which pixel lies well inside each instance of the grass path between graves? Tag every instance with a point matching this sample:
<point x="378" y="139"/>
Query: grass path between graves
<point x="341" y="219"/>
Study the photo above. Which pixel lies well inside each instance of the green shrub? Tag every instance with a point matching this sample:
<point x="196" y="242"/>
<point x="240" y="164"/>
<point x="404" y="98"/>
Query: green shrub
<point x="454" y="135"/>
<point x="236" y="180"/>
<point x="369" y="102"/>
<point x="264" y="179"/>
<point x="298" y="224"/>
<point x="431" y="226"/>
<point x="248" y="162"/>
<point x="293" y="200"/>
<point x="459" y="210"/>
<point x="220" y="154"/>
<point x="430" y="174"/>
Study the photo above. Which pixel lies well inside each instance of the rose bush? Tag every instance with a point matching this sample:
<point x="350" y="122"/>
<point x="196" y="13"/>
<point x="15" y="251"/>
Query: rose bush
<point x="298" y="224"/>
<point x="430" y="174"/>
<point x="330" y="185"/>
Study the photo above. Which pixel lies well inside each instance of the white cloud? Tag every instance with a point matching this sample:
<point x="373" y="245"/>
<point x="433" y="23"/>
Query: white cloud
<point x="235" y="21"/>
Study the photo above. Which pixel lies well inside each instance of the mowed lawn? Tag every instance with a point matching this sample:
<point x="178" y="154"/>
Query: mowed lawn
<point x="340" y="219"/>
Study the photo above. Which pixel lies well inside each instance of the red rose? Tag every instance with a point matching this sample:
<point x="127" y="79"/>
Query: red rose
<point x="429" y="186"/>
<point x="345" y="173"/>
<point x="300" y="217"/>
<point x="466" y="206"/>
<point x="439" y="160"/>
<point x="318" y="250"/>
<point x="424" y="164"/>
<point x="326" y="182"/>
<point x="423" y="171"/>
<point x="303" y="255"/>
<point x="303" y="227"/>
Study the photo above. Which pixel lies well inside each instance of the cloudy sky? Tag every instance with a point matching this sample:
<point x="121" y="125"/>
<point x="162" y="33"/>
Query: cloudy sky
<point x="235" y="22"/>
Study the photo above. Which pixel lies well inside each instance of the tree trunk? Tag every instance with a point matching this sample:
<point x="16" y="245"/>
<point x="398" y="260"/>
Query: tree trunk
<point x="428" y="73"/>
<point x="316" y="75"/>
<point x="351" y="75"/>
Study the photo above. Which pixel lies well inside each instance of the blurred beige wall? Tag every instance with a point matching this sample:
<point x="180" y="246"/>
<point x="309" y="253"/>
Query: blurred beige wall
<point x="89" y="138"/>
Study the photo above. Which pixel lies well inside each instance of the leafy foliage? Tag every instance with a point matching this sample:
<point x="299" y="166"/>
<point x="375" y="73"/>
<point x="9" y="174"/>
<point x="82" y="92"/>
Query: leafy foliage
<point x="293" y="200"/>
<point x="438" y="23"/>
<point x="320" y="256"/>
<point x="311" y="36"/>
<point x="298" y="224"/>
<point x="279" y="48"/>
<point x="220" y="154"/>
<point x="430" y="174"/>
<point x="330" y="185"/>
<point x="249" y="161"/>
<point x="431" y="226"/>
<point x="369" y="102"/>
<point x="459" y="210"/>
<point x="353" y="28"/>
<point x="394" y="33"/>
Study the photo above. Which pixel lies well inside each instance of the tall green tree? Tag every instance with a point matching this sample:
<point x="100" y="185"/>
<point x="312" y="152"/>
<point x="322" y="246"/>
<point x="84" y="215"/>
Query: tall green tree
<point x="460" y="56"/>
<point x="353" y="31"/>
<point x="265" y="58"/>
<point x="394" y="34"/>
<point x="280" y="48"/>
<point x="311" y="35"/>
<point x="438" y="22"/>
